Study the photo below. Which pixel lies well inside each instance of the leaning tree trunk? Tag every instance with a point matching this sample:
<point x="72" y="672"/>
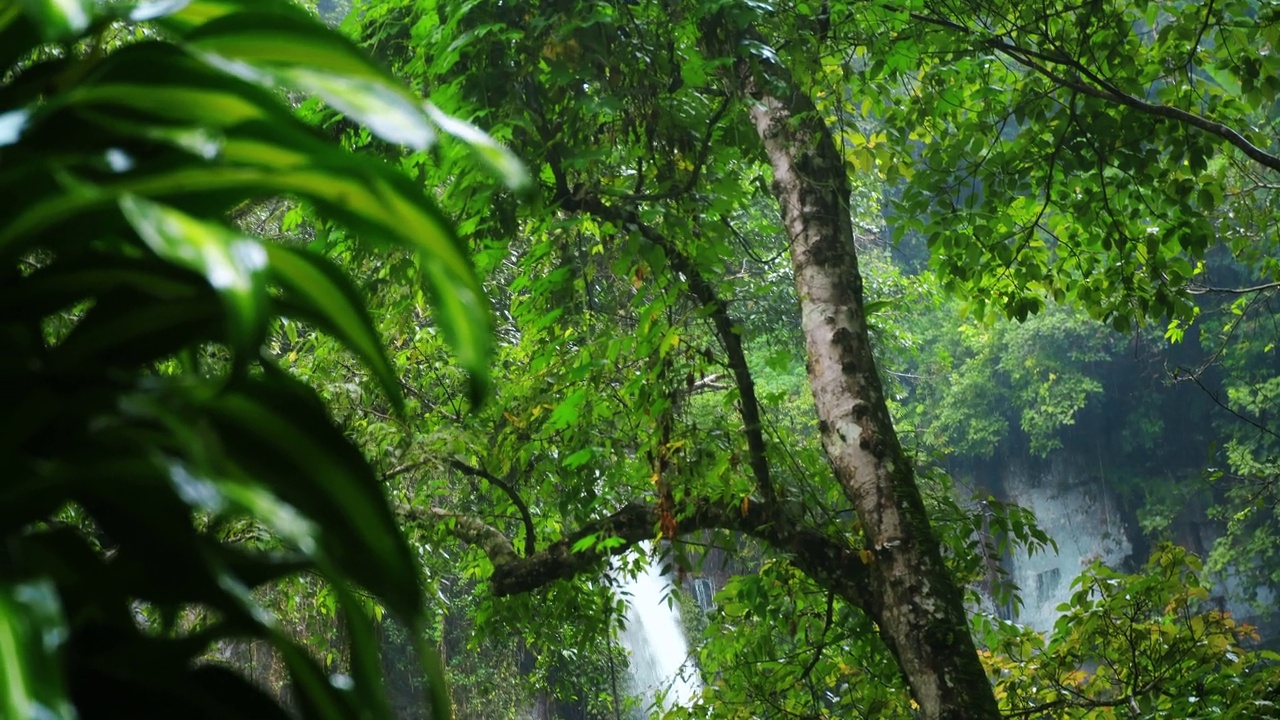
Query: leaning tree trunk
<point x="917" y="605"/>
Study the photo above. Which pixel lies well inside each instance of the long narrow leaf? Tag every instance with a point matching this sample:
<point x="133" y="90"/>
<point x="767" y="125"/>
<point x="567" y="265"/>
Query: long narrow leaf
<point x="433" y="673"/>
<point x="492" y="153"/>
<point x="320" y="698"/>
<point x="366" y="657"/>
<point x="280" y="434"/>
<point x="60" y="20"/>
<point x="59" y="285"/>
<point x="17" y="38"/>
<point x="328" y="298"/>
<point x="282" y="50"/>
<point x="371" y="198"/>
<point x="167" y="82"/>
<point x="31" y="631"/>
<point x="128" y="329"/>
<point x="233" y="264"/>
<point x="182" y="16"/>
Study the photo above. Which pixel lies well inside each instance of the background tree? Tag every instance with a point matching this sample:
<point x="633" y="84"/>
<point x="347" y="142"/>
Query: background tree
<point x="695" y="162"/>
<point x="660" y="175"/>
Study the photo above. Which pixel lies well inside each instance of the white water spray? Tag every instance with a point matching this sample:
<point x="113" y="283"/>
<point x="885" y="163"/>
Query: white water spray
<point x="1076" y="510"/>
<point x="661" y="671"/>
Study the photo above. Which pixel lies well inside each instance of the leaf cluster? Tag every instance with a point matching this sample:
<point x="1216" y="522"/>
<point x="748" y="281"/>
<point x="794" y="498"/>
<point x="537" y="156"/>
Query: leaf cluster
<point x="143" y="427"/>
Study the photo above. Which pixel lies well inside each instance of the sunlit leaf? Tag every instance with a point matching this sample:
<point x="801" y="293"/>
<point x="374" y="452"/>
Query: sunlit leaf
<point x="165" y="82"/>
<point x="183" y="15"/>
<point x="282" y="50"/>
<point x="232" y="263"/>
<point x="60" y="19"/>
<point x="32" y="632"/>
<point x="500" y="159"/>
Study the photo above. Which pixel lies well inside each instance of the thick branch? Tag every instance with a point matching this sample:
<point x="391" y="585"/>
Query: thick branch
<point x="710" y="382"/>
<point x="1113" y="94"/>
<point x="504" y="486"/>
<point x="726" y="329"/>
<point x="1195" y="289"/>
<point x="832" y="562"/>
<point x="466" y="528"/>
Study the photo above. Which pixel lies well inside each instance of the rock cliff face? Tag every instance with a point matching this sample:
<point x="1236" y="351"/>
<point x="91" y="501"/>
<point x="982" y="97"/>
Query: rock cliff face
<point x="1077" y="509"/>
<point x="1078" y="504"/>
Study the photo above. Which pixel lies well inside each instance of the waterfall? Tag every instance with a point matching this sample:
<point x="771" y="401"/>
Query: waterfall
<point x="661" y="672"/>
<point x="1074" y="508"/>
<point x="1077" y="507"/>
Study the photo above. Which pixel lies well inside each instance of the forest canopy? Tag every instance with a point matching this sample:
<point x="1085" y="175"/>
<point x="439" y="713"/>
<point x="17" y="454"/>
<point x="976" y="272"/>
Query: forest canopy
<point x="298" y="359"/>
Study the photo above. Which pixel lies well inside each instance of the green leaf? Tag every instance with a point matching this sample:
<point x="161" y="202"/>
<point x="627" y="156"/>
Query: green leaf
<point x="320" y="698"/>
<point x="125" y="329"/>
<point x="222" y="497"/>
<point x="567" y="412"/>
<point x="266" y="152"/>
<point x="499" y="159"/>
<point x="165" y="82"/>
<point x="369" y="198"/>
<point x="366" y="658"/>
<point x="122" y="424"/>
<point x="232" y="263"/>
<point x="463" y="313"/>
<point x="17" y="35"/>
<point x="184" y="15"/>
<point x="875" y="306"/>
<point x="62" y="283"/>
<point x="579" y="458"/>
<point x="327" y="297"/>
<point x="279" y="433"/>
<point x="64" y="556"/>
<point x="32" y="631"/>
<point x="60" y="20"/>
<point x="275" y="49"/>
<point x="584" y="543"/>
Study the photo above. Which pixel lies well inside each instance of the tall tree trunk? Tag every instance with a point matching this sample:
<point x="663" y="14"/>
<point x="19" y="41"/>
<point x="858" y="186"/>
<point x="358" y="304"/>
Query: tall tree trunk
<point x="917" y="605"/>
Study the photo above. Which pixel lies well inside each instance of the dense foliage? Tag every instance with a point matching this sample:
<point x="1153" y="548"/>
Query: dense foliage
<point x="145" y="432"/>
<point x="176" y="282"/>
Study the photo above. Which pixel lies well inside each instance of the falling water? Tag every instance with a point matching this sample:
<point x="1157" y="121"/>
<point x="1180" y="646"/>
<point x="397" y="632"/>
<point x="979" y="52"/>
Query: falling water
<point x="1076" y="510"/>
<point x="661" y="671"/>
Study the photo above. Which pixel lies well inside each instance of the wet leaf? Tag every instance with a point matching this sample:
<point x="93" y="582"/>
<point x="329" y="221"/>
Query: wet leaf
<point x="499" y="159"/>
<point x="232" y="263"/>
<point x="59" y="20"/>
<point x="278" y="432"/>
<point x="275" y="49"/>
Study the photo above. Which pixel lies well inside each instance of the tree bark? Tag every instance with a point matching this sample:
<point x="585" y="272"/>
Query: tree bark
<point x="918" y="607"/>
<point x="831" y="562"/>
